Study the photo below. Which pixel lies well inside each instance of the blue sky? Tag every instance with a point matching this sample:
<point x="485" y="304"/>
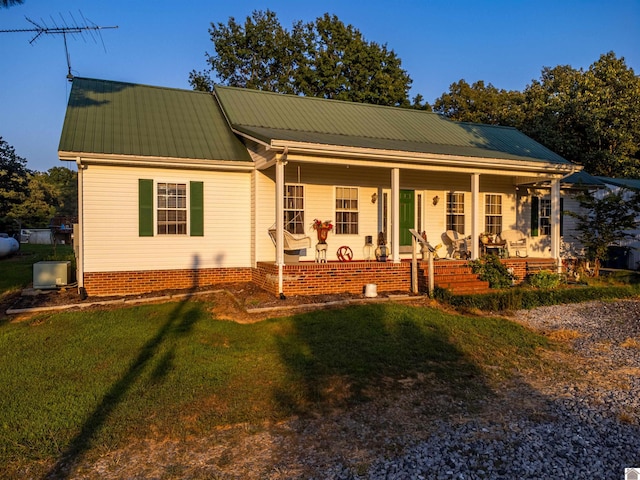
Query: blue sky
<point x="503" y="42"/>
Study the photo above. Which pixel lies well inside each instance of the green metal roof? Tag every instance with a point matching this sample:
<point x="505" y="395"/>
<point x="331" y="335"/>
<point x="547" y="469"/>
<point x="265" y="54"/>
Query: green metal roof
<point x="631" y="183"/>
<point x="270" y="117"/>
<point x="107" y="117"/>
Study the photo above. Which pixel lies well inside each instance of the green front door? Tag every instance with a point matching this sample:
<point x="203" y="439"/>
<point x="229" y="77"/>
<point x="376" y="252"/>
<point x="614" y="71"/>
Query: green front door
<point x="407" y="216"/>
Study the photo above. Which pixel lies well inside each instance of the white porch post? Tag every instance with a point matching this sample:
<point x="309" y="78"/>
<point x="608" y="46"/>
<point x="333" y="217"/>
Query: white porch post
<point x="475" y="215"/>
<point x="555" y="220"/>
<point x="280" y="220"/>
<point x="395" y="215"/>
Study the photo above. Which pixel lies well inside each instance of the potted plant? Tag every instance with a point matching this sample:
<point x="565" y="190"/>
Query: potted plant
<point x="322" y="229"/>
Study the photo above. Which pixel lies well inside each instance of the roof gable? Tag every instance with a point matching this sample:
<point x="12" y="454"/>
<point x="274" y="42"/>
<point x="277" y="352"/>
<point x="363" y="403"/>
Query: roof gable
<point x="118" y="118"/>
<point x="271" y="116"/>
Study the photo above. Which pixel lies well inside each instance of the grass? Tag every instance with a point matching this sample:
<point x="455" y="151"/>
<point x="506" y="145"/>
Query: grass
<point x="17" y="270"/>
<point x="78" y="382"/>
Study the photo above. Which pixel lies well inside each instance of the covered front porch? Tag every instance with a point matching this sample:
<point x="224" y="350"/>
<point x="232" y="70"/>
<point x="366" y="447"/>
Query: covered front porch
<point x="310" y="278"/>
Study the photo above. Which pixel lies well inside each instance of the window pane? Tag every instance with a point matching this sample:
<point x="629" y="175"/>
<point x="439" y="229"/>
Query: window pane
<point x="347" y="210"/>
<point x="294" y="208"/>
<point x="172" y="209"/>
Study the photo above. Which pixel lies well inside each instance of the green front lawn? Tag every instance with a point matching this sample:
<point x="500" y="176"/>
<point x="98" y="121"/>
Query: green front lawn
<point x="76" y="382"/>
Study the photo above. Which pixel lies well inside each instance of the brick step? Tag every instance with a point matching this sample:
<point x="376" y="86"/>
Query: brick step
<point x="465" y="287"/>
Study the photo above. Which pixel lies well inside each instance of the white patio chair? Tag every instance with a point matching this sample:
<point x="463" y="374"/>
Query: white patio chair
<point x="517" y="243"/>
<point x="293" y="244"/>
<point x="458" y="244"/>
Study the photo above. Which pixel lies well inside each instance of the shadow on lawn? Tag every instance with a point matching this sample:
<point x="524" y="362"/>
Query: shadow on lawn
<point x="179" y="323"/>
<point x="336" y="355"/>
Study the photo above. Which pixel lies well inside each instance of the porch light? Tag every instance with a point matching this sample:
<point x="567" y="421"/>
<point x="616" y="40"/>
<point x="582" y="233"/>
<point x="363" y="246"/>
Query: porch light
<point x="436" y="199"/>
<point x="374" y="197"/>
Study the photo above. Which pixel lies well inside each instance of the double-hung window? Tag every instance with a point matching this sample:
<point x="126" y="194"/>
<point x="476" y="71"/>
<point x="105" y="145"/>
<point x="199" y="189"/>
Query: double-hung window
<point x="172" y="208"/>
<point x="545" y="216"/>
<point x="493" y="213"/>
<point x="346" y="210"/>
<point x="168" y="208"/>
<point x="294" y="208"/>
<point x="455" y="212"/>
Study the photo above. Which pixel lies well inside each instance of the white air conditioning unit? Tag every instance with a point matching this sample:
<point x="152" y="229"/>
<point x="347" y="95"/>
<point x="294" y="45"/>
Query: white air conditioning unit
<point x="51" y="274"/>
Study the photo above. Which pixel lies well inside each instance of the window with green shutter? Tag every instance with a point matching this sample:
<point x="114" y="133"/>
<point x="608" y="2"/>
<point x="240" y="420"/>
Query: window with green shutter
<point x="170" y="208"/>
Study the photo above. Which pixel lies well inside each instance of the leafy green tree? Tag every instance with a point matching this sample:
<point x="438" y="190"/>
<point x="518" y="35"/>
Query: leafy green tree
<point x="13" y="181"/>
<point x="604" y="220"/>
<point x="259" y="54"/>
<point x="342" y="65"/>
<point x="38" y="207"/>
<point x="325" y="58"/>
<point x="589" y="117"/>
<point x="480" y="103"/>
<point x="64" y="184"/>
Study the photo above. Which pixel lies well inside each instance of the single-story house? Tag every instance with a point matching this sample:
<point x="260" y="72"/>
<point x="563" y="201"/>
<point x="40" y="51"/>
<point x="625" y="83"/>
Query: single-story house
<point x="180" y="188"/>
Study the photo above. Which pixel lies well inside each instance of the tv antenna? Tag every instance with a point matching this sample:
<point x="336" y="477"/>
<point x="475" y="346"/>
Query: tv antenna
<point x="64" y="28"/>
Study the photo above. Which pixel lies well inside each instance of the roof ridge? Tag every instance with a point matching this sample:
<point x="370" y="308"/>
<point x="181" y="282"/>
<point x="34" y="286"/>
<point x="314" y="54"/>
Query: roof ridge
<point x="142" y="85"/>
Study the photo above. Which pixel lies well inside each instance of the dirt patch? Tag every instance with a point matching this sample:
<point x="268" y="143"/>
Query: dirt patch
<point x="240" y="302"/>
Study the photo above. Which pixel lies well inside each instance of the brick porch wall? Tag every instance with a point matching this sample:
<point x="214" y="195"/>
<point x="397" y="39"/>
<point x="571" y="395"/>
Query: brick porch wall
<point x="334" y="277"/>
<point x="138" y="282"/>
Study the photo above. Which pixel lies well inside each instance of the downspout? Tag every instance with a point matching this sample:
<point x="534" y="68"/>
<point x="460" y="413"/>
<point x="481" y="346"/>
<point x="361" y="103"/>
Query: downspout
<point x="280" y="164"/>
<point x="78" y="241"/>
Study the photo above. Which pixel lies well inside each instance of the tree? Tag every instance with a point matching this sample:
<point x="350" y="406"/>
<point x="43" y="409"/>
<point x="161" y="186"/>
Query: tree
<point x="260" y="54"/>
<point x="13" y="180"/>
<point x="480" y="103"/>
<point x="325" y="58"/>
<point x="604" y="219"/>
<point x="342" y="65"/>
<point x="591" y="118"/>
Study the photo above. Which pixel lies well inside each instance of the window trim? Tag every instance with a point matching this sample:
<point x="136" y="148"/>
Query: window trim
<point x="287" y="223"/>
<point x="148" y="208"/>
<point x="492" y="228"/>
<point x="448" y="214"/>
<point x="340" y="225"/>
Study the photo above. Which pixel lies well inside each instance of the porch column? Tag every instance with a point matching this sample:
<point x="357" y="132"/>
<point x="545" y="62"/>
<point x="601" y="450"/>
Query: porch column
<point x="280" y="220"/>
<point x="555" y="220"/>
<point x="475" y="215"/>
<point x="395" y="215"/>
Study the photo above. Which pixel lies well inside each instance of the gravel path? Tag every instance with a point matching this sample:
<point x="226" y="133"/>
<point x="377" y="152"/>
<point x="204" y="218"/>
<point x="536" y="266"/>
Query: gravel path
<point x="586" y="431"/>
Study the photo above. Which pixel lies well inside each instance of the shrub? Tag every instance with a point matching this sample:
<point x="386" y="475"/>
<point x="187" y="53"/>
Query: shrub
<point x="544" y="279"/>
<point x="490" y="269"/>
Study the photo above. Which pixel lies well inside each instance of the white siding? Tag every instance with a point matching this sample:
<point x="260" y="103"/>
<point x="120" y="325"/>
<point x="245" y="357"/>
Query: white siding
<point x="110" y="217"/>
<point x="319" y="190"/>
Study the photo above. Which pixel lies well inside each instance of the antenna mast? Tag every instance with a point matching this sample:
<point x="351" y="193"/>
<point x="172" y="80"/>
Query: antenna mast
<point x="65" y="28"/>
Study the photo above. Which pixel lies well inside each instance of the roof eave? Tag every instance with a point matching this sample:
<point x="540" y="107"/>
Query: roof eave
<point x="480" y="163"/>
<point x="83" y="158"/>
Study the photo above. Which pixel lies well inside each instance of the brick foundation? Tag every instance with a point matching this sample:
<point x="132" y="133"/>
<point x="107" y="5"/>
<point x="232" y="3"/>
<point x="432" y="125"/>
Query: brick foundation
<point x="334" y="277"/>
<point x="306" y="278"/>
<point x="139" y="282"/>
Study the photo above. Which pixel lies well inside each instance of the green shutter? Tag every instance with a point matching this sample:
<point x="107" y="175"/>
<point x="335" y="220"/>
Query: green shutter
<point x="535" y="210"/>
<point x="196" y="209"/>
<point x="561" y="216"/>
<point x="145" y="207"/>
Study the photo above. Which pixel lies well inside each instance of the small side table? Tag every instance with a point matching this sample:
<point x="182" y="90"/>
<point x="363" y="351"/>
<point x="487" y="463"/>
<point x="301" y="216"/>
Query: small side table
<point x="321" y="252"/>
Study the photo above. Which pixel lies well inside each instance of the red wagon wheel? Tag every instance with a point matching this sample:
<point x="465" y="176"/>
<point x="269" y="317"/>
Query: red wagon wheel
<point x="345" y="254"/>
